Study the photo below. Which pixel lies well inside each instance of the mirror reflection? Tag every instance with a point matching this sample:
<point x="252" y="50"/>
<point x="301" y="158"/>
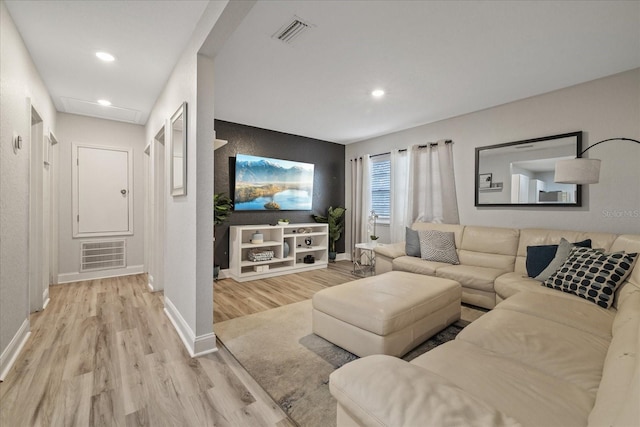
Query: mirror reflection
<point x="522" y="172"/>
<point x="179" y="152"/>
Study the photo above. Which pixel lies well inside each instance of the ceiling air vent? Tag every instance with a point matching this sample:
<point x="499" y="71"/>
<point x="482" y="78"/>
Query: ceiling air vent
<point x="291" y="31"/>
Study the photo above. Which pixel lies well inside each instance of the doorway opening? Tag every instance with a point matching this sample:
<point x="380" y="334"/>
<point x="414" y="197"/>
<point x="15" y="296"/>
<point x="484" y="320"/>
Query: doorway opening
<point x="157" y="178"/>
<point x="39" y="215"/>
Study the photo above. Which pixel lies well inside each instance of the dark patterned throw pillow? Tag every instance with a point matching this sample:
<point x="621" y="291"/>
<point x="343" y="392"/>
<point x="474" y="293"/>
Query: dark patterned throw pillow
<point x="592" y="274"/>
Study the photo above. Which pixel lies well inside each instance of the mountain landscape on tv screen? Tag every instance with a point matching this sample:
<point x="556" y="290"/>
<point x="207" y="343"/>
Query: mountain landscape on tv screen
<point x="272" y="184"/>
<point x="266" y="171"/>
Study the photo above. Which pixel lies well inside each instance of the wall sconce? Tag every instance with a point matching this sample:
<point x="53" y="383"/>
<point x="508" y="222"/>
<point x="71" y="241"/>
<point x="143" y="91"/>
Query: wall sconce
<point x="581" y="170"/>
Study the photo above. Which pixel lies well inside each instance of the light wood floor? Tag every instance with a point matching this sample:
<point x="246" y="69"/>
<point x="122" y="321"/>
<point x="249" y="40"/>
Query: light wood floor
<point x="103" y="353"/>
<point x="233" y="299"/>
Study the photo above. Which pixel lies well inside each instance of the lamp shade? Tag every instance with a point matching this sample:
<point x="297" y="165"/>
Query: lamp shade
<point x="577" y="171"/>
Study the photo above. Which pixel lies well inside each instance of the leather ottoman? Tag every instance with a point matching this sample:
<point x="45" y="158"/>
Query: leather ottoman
<point x="387" y="314"/>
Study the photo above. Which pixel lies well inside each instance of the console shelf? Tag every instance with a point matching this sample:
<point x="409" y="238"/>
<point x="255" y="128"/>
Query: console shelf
<point x="297" y="237"/>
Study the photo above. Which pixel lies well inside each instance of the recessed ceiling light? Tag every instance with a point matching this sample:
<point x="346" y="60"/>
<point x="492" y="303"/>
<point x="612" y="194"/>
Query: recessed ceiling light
<point x="378" y="93"/>
<point x="107" y="57"/>
<point x="104" y="102"/>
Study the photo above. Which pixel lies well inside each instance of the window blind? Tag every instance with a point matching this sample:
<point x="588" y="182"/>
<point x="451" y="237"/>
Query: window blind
<point x="381" y="187"/>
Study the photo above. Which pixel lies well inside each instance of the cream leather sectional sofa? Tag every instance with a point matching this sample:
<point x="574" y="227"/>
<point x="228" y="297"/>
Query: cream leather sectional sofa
<point x="492" y="259"/>
<point x="540" y="357"/>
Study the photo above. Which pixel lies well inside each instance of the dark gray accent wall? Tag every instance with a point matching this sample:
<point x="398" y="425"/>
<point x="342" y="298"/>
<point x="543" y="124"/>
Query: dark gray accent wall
<point x="328" y="181"/>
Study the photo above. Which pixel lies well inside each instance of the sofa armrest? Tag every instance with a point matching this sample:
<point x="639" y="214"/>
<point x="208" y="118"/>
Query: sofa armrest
<point x="393" y="250"/>
<point x="385" y="254"/>
<point x="386" y="391"/>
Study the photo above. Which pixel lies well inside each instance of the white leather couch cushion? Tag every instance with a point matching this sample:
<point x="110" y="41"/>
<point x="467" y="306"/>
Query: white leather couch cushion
<point x="510" y="284"/>
<point x="541" y="236"/>
<point x="503" y="263"/>
<point x="565" y="309"/>
<point x="472" y="276"/>
<point x="536" y="357"/>
<point x="392" y="250"/>
<point x="630" y="244"/>
<point x="400" y="394"/>
<point x="417" y="265"/>
<point x="618" y="398"/>
<point x="533" y="397"/>
<point x="492" y="240"/>
<point x="542" y="344"/>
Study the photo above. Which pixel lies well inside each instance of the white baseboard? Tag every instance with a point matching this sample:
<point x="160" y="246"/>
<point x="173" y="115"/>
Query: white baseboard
<point x="100" y="274"/>
<point x="45" y="298"/>
<point x="196" y="346"/>
<point x="152" y="285"/>
<point x="224" y="274"/>
<point x="343" y="257"/>
<point x="204" y="344"/>
<point x="150" y="282"/>
<point x="10" y="354"/>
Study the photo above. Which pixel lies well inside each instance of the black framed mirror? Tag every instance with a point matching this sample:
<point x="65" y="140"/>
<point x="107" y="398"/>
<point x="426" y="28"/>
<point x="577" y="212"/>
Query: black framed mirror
<point x="521" y="173"/>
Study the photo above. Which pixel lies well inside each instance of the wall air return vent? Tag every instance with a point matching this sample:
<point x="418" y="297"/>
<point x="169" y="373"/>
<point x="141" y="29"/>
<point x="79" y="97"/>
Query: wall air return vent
<point x="102" y="255"/>
<point x="292" y="30"/>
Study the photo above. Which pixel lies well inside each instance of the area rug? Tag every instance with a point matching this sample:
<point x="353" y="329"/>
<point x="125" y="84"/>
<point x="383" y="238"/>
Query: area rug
<point x="292" y="364"/>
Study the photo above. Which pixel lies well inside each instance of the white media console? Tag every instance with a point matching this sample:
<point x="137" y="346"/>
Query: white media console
<point x="305" y="241"/>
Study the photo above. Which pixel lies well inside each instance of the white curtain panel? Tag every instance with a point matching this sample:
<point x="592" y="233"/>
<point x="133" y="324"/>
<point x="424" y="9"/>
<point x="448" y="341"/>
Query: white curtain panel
<point x="360" y="201"/>
<point x="400" y="216"/>
<point x="432" y="186"/>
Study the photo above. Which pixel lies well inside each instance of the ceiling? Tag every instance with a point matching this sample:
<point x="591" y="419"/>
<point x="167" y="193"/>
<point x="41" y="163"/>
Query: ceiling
<point x="146" y="37"/>
<point x="434" y="59"/>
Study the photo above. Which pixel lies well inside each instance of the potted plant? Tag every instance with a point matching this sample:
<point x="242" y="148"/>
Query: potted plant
<point x="373" y="218"/>
<point x="335" y="219"/>
<point x="222" y="209"/>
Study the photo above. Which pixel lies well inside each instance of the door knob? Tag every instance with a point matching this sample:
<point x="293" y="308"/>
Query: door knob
<point x="123" y="191"/>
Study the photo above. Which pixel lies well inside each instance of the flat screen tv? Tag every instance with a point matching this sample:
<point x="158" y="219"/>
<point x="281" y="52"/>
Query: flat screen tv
<point x="264" y="184"/>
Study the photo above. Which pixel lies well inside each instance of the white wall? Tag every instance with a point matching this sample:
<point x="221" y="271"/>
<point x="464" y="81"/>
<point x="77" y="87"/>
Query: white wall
<point x="188" y="267"/>
<point x="180" y="212"/>
<point x="603" y="108"/>
<point x="75" y="129"/>
<point x="19" y="82"/>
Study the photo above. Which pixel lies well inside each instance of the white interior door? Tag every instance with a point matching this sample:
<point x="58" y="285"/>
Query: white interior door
<point x="103" y="196"/>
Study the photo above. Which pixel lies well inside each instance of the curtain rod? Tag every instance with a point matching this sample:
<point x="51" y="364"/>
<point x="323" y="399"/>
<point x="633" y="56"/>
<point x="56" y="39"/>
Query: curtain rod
<point x="433" y="144"/>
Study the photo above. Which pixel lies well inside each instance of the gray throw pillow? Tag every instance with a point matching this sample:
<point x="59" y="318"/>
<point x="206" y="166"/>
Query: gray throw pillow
<point x="539" y="257"/>
<point x="412" y="242"/>
<point x="561" y="256"/>
<point x="438" y="246"/>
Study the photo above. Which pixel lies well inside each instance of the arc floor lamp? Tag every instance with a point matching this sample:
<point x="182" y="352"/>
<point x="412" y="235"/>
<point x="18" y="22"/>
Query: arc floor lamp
<point x="581" y="170"/>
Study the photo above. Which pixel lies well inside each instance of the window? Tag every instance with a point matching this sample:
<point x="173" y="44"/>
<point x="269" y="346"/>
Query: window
<point x="381" y="187"/>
